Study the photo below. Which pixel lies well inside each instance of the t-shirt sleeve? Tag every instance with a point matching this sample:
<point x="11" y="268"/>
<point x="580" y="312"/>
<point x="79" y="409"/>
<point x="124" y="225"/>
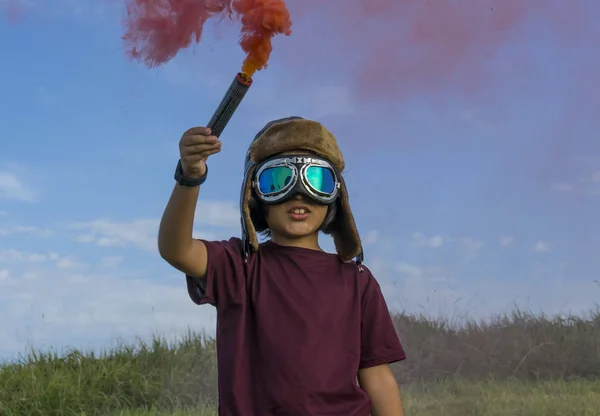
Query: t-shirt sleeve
<point x="379" y="340"/>
<point x="225" y="281"/>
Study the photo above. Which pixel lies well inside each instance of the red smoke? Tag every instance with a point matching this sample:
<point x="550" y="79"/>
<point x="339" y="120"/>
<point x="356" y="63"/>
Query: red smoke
<point x="394" y="47"/>
<point x="13" y="9"/>
<point x="158" y="29"/>
<point x="401" y="47"/>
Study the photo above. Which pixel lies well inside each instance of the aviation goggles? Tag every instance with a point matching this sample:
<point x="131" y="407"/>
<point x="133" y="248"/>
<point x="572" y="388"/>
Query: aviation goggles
<point x="280" y="179"/>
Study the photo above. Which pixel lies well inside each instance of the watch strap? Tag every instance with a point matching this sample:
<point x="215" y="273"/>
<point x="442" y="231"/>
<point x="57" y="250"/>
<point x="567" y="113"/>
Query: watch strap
<point x="185" y="181"/>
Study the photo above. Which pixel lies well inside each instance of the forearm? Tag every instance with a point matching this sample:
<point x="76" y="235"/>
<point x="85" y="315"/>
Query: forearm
<point x="177" y="223"/>
<point x="176" y="243"/>
<point x="387" y="401"/>
<point x="381" y="386"/>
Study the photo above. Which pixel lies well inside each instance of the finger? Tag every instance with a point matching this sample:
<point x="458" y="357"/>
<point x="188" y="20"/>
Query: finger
<point x="204" y="131"/>
<point x="211" y="152"/>
<point x="199" y="148"/>
<point x="197" y="139"/>
<point x="191" y="159"/>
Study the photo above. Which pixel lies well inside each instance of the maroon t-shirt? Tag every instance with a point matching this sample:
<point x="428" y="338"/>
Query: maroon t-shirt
<point x="294" y="326"/>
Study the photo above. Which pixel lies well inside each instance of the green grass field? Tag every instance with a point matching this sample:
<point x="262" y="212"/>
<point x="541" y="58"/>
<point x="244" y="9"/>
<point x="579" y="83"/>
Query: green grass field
<point x="493" y="398"/>
<point x="513" y="365"/>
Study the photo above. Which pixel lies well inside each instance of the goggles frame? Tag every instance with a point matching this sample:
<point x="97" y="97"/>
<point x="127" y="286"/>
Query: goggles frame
<point x="298" y="165"/>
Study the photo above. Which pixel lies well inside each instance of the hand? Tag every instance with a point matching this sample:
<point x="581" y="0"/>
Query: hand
<point x="195" y="146"/>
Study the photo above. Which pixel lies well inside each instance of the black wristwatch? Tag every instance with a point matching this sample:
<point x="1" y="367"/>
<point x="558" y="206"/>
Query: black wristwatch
<point x="191" y="182"/>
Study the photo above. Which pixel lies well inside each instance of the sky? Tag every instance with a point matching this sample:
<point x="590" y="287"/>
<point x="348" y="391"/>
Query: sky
<point x="469" y="202"/>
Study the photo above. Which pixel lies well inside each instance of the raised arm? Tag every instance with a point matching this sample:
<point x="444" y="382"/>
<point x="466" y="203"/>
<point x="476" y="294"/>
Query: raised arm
<point x="175" y="242"/>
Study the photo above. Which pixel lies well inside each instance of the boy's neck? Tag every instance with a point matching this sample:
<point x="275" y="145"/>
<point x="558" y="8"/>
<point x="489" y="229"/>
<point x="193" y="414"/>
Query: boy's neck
<point x="310" y="241"/>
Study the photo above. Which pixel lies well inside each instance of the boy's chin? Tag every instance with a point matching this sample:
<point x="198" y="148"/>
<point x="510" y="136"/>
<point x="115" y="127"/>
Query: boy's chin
<point x="297" y="230"/>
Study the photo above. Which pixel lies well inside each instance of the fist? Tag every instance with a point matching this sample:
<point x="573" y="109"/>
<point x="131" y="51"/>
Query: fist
<point x="195" y="146"/>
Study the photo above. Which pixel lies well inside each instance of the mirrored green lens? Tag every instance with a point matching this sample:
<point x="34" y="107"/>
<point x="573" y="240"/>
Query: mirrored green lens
<point x="321" y="179"/>
<point x="275" y="179"/>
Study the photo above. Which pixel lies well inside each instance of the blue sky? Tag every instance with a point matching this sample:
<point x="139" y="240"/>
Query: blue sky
<point x="467" y="204"/>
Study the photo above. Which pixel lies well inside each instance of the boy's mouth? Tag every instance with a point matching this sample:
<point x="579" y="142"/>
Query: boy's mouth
<point x="299" y="210"/>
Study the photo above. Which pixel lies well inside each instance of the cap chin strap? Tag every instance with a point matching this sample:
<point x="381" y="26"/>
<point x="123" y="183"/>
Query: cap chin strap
<point x="359" y="260"/>
<point x="246" y="246"/>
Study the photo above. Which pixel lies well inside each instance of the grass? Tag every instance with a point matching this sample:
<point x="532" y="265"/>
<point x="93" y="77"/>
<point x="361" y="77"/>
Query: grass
<point x="500" y="398"/>
<point x="490" y="398"/>
<point x="518" y="364"/>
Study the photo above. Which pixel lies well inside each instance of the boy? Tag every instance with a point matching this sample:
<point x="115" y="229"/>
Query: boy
<point x="296" y="326"/>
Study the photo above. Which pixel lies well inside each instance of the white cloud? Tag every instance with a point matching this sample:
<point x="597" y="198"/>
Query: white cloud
<point x="467" y="245"/>
<point x="587" y="185"/>
<point x="421" y="240"/>
<point x="507" y="241"/>
<point x="92" y="308"/>
<point x="12" y="256"/>
<point x="28" y="230"/>
<point x="436" y="241"/>
<point x="66" y="263"/>
<point x="93" y="304"/>
<point x="445" y="291"/>
<point x="143" y="233"/>
<point x="423" y="289"/>
<point x="563" y="186"/>
<point x="371" y="238"/>
<point x="111" y="262"/>
<point x="11" y="187"/>
<point x="36" y="257"/>
<point x="541" y="246"/>
<point x="106" y="233"/>
<point x="217" y="214"/>
<point x="408" y="269"/>
<point x="431" y="273"/>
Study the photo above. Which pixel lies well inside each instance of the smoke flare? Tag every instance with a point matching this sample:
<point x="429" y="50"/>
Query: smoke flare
<point x="158" y="29"/>
<point x="229" y="103"/>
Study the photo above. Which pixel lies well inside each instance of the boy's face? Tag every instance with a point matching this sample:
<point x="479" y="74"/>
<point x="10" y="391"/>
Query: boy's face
<point x="299" y="217"/>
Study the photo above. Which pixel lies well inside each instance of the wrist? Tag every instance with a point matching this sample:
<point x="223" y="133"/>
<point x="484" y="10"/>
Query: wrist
<point x="189" y="179"/>
<point x="198" y="173"/>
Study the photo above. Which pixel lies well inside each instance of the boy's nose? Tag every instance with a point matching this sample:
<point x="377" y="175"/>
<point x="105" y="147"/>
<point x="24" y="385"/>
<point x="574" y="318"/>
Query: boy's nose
<point x="303" y="199"/>
<point x="299" y="197"/>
